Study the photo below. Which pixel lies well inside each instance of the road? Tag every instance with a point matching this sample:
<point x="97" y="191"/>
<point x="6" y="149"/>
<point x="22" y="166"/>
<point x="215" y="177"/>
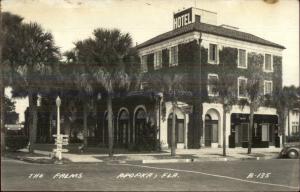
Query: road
<point x="251" y="175"/>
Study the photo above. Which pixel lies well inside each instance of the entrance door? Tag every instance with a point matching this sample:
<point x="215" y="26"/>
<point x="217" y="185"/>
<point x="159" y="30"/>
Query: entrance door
<point x="208" y="134"/>
<point x="123" y="132"/>
<point x="211" y="132"/>
<point x="139" y="128"/>
<point x="267" y="133"/>
<point x="241" y="134"/>
<point x="179" y="130"/>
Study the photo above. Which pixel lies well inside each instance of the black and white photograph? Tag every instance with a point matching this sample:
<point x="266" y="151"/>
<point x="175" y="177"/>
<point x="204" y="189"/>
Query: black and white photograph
<point x="150" y="95"/>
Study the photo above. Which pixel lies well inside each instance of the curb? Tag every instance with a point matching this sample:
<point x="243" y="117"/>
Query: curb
<point x="39" y="161"/>
<point x="168" y="161"/>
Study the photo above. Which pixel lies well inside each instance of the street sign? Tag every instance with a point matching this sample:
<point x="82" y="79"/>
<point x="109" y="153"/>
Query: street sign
<point x="61" y="150"/>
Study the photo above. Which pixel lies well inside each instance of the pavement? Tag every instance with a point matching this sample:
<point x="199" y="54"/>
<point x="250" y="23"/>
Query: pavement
<point x="182" y="155"/>
<point x="247" y="175"/>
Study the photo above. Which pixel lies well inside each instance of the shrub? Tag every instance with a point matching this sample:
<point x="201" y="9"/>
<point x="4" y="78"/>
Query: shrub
<point x="15" y="142"/>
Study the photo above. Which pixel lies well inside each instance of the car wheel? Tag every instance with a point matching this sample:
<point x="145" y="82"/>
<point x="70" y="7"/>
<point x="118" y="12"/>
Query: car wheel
<point x="293" y="154"/>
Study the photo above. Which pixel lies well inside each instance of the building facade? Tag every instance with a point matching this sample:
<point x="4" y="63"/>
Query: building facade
<point x="200" y="48"/>
<point x="292" y="122"/>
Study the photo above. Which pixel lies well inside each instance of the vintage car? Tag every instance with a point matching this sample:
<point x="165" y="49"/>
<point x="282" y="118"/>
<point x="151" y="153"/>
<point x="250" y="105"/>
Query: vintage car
<point x="291" y="150"/>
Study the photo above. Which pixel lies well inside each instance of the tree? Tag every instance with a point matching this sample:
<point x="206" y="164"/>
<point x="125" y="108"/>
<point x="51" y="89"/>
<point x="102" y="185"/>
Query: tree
<point x="113" y="48"/>
<point x="254" y="92"/>
<point x="33" y="63"/>
<point x="284" y="100"/>
<point x="171" y="85"/>
<point x="102" y="61"/>
<point x="9" y="27"/>
<point x="224" y="88"/>
<point x="11" y="117"/>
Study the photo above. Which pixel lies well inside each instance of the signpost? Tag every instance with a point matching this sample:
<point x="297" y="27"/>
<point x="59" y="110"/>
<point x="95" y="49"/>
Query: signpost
<point x="60" y="139"/>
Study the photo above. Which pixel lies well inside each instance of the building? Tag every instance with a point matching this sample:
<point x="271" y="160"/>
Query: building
<point x="292" y="122"/>
<point x="198" y="46"/>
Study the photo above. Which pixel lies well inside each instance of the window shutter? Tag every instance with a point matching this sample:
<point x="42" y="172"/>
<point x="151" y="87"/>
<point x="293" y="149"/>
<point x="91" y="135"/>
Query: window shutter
<point x="165" y="58"/>
<point x="150" y="62"/>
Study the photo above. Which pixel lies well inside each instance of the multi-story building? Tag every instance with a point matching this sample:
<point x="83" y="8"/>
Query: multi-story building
<point x="198" y="47"/>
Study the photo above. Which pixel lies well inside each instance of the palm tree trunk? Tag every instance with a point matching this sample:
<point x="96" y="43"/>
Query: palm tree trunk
<point x="224" y="130"/>
<point x="32" y="121"/>
<point x="173" y="143"/>
<point x="85" y="129"/>
<point x="110" y="125"/>
<point x="250" y="129"/>
<point x="2" y="116"/>
<point x="288" y="116"/>
<point x="283" y="119"/>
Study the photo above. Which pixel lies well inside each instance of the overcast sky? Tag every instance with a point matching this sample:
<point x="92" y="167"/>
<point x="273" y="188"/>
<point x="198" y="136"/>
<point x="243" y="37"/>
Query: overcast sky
<point x="72" y="20"/>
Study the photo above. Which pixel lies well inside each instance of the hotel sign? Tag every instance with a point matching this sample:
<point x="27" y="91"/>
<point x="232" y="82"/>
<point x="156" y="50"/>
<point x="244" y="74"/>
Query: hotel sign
<point x="182" y="18"/>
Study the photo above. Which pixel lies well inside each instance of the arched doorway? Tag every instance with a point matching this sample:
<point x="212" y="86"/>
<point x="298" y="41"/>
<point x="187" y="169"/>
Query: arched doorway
<point x="140" y="124"/>
<point x="123" y="126"/>
<point x="212" y="128"/>
<point x="179" y="129"/>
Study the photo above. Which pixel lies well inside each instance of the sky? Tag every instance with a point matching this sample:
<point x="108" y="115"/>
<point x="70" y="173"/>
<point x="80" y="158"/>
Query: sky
<point x="73" y="20"/>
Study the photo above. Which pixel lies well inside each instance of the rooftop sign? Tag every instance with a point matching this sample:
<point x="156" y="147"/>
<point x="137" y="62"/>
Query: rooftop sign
<point x="182" y="18"/>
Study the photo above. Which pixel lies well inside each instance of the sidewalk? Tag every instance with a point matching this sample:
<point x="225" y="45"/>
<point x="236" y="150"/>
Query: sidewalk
<point x="182" y="155"/>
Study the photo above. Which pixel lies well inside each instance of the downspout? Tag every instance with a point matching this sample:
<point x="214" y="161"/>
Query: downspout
<point x="288" y="111"/>
<point x="200" y="91"/>
<point x="159" y="119"/>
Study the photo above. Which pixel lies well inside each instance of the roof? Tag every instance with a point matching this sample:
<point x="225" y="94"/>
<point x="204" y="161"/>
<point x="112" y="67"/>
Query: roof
<point x="210" y="29"/>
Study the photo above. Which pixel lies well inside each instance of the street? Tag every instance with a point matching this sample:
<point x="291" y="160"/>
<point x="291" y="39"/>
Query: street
<point x="251" y="175"/>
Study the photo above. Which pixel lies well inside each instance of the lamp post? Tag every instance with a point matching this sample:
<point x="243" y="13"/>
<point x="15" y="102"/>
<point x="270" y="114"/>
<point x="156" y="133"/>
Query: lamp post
<point x="58" y="137"/>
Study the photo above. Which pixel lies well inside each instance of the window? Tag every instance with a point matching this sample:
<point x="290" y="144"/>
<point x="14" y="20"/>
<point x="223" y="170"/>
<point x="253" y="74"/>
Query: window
<point x="211" y="86"/>
<point x="242" y="62"/>
<point x="197" y="18"/>
<point x="295" y="129"/>
<point x="213" y="54"/>
<point x="268" y="63"/>
<point x="144" y="63"/>
<point x="174" y="56"/>
<point x="268" y="87"/>
<point x="244" y="129"/>
<point x="265" y="132"/>
<point x="242" y="83"/>
<point x="157" y="60"/>
<point x="180" y="132"/>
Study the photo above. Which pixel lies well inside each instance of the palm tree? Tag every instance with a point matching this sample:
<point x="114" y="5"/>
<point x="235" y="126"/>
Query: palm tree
<point x="79" y="70"/>
<point x="9" y="27"/>
<point x="255" y="95"/>
<point x="170" y="84"/>
<point x="33" y="63"/>
<point x="103" y="60"/>
<point x="284" y="100"/>
<point x="224" y="88"/>
<point x="111" y="81"/>
<point x="113" y="48"/>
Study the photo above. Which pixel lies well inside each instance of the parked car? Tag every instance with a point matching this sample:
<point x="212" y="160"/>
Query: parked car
<point x="291" y="150"/>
